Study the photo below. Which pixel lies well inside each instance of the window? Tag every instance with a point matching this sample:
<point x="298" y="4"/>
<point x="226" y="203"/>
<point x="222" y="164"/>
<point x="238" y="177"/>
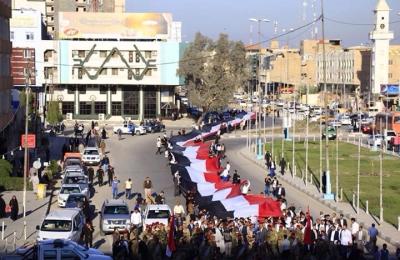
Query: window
<point x="150" y="103"/>
<point x="100" y="108"/>
<point x="50" y="255"/>
<point x="131" y="56"/>
<point x="129" y="74"/>
<point x="390" y="62"/>
<point x="71" y="89"/>
<point x="131" y="101"/>
<point x="85" y="108"/>
<point x="67" y="107"/>
<point x="27" y="53"/>
<point x="103" y="54"/>
<point x="137" y="72"/>
<point x="147" y="54"/>
<point x="103" y="89"/>
<point x="81" y="54"/>
<point x="82" y="89"/>
<point x="69" y="255"/>
<point x="116" y="108"/>
<point x="114" y="71"/>
<point x="103" y="71"/>
<point x="29" y="35"/>
<point x="390" y="75"/>
<point x="113" y="89"/>
<point x="80" y="73"/>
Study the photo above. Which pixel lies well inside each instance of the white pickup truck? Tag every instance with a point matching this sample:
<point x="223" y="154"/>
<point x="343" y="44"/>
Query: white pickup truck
<point x="57" y="249"/>
<point x="129" y="128"/>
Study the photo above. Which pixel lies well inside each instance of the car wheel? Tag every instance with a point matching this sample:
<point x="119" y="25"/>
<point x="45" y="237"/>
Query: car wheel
<point x="137" y="133"/>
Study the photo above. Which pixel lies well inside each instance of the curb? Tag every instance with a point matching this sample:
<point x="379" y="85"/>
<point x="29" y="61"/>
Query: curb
<point x="335" y="208"/>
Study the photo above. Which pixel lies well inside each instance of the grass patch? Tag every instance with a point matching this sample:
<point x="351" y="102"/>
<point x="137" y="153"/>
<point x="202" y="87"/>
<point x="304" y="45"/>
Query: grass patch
<point x="347" y="169"/>
<point x="9" y="183"/>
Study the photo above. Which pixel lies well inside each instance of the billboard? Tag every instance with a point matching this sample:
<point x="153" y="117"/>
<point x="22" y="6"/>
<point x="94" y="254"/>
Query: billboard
<point x="72" y="25"/>
<point x="390" y="89"/>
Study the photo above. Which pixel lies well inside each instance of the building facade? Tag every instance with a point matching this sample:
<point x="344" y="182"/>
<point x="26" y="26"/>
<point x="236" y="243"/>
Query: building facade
<point x="5" y="54"/>
<point x="121" y="79"/>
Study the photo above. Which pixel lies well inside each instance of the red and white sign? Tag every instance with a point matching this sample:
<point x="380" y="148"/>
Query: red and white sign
<point x="31" y="142"/>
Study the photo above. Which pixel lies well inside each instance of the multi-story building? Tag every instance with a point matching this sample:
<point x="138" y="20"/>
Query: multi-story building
<point x="6" y="114"/>
<point x="5" y="53"/>
<point x="54" y="7"/>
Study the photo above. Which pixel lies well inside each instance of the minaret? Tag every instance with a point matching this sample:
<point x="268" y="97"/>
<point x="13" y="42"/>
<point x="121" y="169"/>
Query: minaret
<point x="380" y="37"/>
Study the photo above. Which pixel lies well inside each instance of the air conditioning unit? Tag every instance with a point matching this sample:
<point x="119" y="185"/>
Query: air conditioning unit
<point x="68" y="116"/>
<point x="102" y="117"/>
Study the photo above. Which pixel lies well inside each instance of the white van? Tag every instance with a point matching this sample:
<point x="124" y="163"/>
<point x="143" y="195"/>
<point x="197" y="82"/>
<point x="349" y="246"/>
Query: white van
<point x="62" y="224"/>
<point x="156" y="213"/>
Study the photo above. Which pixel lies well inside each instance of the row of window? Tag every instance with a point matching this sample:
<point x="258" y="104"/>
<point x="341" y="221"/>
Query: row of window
<point x="104" y="54"/>
<point x="82" y="89"/>
<point x="114" y="72"/>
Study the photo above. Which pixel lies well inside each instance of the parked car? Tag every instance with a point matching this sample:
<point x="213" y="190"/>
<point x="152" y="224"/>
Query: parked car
<point x="72" y="159"/>
<point x="130" y="128"/>
<point x="79" y="179"/>
<point x="62" y="224"/>
<point x="345" y="120"/>
<point x="75" y="201"/>
<point x="388" y="134"/>
<point x="375" y="140"/>
<point x="329" y="132"/>
<point x="91" y="156"/>
<point x="57" y="249"/>
<point x="114" y="214"/>
<point x="153" y="126"/>
<point x="156" y="213"/>
<point x="335" y="123"/>
<point x="65" y="191"/>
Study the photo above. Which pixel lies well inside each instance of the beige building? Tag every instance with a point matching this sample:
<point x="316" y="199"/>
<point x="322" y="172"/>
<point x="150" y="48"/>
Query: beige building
<point x="53" y="7"/>
<point x="394" y="64"/>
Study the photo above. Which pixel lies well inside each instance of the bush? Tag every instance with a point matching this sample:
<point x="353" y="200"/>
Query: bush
<point x="7" y="182"/>
<point x="54" y="168"/>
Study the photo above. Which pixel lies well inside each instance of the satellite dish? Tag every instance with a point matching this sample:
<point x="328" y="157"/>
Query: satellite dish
<point x="37" y="164"/>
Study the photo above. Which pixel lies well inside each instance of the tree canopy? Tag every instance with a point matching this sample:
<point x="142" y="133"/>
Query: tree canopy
<point x="213" y="71"/>
<point x="54" y="115"/>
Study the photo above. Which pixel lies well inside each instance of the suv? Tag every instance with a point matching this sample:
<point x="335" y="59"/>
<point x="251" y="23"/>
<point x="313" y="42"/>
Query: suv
<point x="62" y="224"/>
<point x="156" y="213"/>
<point x="114" y="214"/>
<point x="91" y="156"/>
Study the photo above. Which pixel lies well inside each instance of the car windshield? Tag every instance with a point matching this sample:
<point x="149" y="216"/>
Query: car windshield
<point x="123" y="210"/>
<point x="70" y="190"/>
<point x="391" y="134"/>
<point x="69" y="162"/>
<point x="158" y="214"/>
<point x="75" y="180"/>
<point x="56" y="225"/>
<point x="91" y="152"/>
<point x="75" y="198"/>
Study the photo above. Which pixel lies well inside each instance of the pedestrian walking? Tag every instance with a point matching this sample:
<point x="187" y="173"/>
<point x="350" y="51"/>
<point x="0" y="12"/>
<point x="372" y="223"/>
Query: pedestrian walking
<point x="14" y="208"/>
<point x="100" y="176"/>
<point x="267" y="158"/>
<point x="2" y="207"/>
<point x="177" y="182"/>
<point x="282" y="165"/>
<point x="158" y="144"/>
<point x="114" y="187"/>
<point x="236" y="178"/>
<point x="103" y="147"/>
<point x="147" y="185"/>
<point x="160" y="198"/>
<point x="128" y="189"/>
<point x="91" y="175"/>
<point x="104" y="133"/>
<point x="373" y="234"/>
<point x="119" y="132"/>
<point x="267" y="182"/>
<point x="272" y="168"/>
<point x="88" y="231"/>
<point x="110" y="174"/>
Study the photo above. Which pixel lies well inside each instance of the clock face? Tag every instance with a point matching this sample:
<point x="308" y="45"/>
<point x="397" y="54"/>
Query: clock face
<point x="382" y="26"/>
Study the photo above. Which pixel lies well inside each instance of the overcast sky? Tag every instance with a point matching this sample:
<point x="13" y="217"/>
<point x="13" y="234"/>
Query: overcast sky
<point x="212" y="17"/>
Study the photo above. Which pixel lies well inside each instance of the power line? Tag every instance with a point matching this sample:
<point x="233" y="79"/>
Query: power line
<point x="211" y="55"/>
<point x="355" y="24"/>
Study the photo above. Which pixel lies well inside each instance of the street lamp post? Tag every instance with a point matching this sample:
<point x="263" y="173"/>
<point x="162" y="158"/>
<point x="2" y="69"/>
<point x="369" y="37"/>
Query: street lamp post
<point x="258" y="125"/>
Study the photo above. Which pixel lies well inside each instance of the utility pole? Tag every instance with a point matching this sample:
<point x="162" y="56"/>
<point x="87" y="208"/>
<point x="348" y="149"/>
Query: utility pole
<point x="26" y="163"/>
<point x="381" y="183"/>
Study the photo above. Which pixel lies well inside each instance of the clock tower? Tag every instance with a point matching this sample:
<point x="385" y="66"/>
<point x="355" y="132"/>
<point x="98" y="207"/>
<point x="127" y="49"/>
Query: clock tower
<point x="380" y="37"/>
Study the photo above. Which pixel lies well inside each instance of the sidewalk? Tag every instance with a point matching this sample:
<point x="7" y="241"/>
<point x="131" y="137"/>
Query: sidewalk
<point x="387" y="232"/>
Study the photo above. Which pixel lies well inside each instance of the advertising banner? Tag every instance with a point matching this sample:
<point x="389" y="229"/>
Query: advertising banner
<point x="74" y="25"/>
<point x="390" y="89"/>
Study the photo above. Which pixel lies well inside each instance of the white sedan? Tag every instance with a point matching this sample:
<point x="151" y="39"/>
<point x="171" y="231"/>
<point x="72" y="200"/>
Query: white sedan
<point x="375" y="140"/>
<point x="345" y="120"/>
<point x="130" y="128"/>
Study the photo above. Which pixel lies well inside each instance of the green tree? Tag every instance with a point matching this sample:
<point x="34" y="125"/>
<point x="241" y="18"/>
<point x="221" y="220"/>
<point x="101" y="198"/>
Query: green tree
<point x="22" y="100"/>
<point x="54" y="115"/>
<point x="213" y="71"/>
